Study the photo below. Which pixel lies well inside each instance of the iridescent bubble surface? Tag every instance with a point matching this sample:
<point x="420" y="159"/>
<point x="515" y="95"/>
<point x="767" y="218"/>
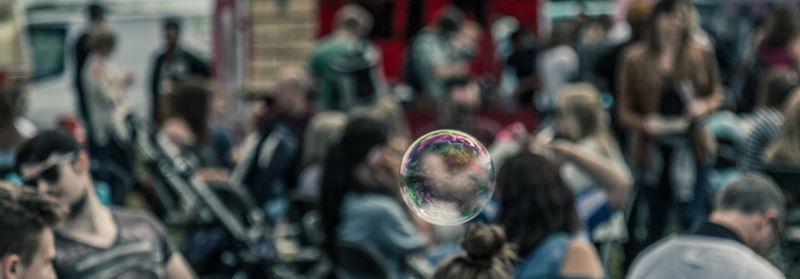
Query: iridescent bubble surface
<point x="447" y="177"/>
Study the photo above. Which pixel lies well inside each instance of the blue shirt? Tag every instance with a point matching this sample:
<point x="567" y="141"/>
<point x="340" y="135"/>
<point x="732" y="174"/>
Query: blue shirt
<point x="381" y="222"/>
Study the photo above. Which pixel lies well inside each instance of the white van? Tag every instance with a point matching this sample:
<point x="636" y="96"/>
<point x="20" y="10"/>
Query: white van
<point x="53" y="26"/>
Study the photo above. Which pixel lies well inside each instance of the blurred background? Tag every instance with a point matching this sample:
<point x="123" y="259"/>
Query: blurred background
<point x="220" y="117"/>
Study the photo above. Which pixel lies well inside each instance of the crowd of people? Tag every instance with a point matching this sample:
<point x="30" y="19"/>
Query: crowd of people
<point x="639" y="139"/>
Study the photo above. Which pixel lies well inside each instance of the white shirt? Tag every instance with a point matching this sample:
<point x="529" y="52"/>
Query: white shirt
<point x="106" y="104"/>
<point x="695" y="256"/>
<point x="556" y="66"/>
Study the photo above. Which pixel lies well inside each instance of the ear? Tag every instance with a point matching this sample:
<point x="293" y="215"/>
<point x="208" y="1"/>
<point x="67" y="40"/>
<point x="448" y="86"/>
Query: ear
<point x="375" y="155"/>
<point x="83" y="163"/>
<point x="11" y="266"/>
<point x="768" y="216"/>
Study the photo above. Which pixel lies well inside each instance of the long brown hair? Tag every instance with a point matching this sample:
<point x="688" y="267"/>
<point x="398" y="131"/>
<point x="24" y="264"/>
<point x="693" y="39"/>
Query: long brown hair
<point x="781" y="26"/>
<point x="534" y="201"/>
<point x="786" y="149"/>
<point x="687" y="60"/>
<point x="191" y="103"/>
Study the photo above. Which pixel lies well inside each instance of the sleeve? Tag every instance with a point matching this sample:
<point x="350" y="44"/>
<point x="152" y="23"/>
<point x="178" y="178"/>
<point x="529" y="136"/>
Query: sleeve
<point x="80" y="52"/>
<point x="198" y="66"/>
<point x="715" y="98"/>
<point x="163" y="242"/>
<point x="400" y="236"/>
<point x="315" y="65"/>
<point x="223" y="145"/>
<point x="272" y="163"/>
<point x="100" y="85"/>
<point x="434" y="53"/>
<point x="627" y="116"/>
<point x="155" y="86"/>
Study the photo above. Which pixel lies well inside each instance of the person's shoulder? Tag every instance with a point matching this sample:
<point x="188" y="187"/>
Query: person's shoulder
<point x="582" y="259"/>
<point x="374" y="205"/>
<point x="655" y="251"/>
<point x="377" y="200"/>
<point x="760" y="268"/>
<point x="634" y="51"/>
<point x="580" y="247"/>
<point x="581" y="250"/>
<point x="128" y="217"/>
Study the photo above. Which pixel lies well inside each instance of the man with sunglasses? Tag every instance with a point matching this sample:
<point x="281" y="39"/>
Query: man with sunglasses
<point x="26" y="235"/>
<point x="94" y="241"/>
<point x="746" y="223"/>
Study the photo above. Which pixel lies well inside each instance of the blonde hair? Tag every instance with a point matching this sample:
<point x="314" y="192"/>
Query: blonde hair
<point x="101" y="39"/>
<point x="786" y="149"/>
<point x="581" y="101"/>
<point x="324" y="131"/>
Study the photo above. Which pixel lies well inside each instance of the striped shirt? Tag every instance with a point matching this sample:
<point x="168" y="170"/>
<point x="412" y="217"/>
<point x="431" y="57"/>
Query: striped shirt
<point x="767" y="125"/>
<point x="140" y="251"/>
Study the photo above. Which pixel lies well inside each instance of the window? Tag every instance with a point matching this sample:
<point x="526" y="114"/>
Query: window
<point x="47" y="44"/>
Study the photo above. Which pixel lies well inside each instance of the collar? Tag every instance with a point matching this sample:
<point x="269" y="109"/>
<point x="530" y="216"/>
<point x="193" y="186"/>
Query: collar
<point x="716" y="230"/>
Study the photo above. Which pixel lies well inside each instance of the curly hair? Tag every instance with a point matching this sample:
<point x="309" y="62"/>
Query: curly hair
<point x="25" y="214"/>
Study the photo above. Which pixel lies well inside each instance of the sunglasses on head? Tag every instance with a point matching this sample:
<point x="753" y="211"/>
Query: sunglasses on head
<point x="51" y="172"/>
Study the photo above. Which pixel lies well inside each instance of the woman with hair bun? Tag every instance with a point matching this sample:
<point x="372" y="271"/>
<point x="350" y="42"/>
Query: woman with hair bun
<point x="487" y="255"/>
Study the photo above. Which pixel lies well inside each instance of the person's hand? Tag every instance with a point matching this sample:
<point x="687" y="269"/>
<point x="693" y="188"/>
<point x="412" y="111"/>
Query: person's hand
<point x="386" y="160"/>
<point x="178" y="132"/>
<point x="561" y="150"/>
<point x="126" y="80"/>
<point x="213" y="175"/>
<point x="653" y="125"/>
<point x="515" y="131"/>
<point x="166" y="86"/>
<point x="698" y="109"/>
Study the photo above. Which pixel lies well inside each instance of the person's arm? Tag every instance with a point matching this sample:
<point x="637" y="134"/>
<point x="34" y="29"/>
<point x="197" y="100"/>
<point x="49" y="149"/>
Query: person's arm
<point x="627" y="116"/>
<point x="175" y="265"/>
<point x="398" y="234"/>
<point x="101" y="87"/>
<point x="276" y="156"/>
<point x="581" y="260"/>
<point x="178" y="268"/>
<point x="703" y="106"/>
<point x="198" y="66"/>
<point x="155" y="87"/>
<point x="714" y="100"/>
<point x="617" y="181"/>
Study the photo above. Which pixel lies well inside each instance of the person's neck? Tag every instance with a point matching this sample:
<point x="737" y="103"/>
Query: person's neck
<point x="171" y="49"/>
<point x="670" y="45"/>
<point x="93" y="218"/>
<point x="345" y="34"/>
<point x="733" y="221"/>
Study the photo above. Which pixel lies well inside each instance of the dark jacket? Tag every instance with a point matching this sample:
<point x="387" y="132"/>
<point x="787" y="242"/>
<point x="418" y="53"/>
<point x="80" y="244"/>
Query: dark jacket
<point x="195" y="67"/>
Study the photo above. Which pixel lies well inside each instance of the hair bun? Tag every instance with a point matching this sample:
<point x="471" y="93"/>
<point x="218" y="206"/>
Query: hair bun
<point x="483" y="241"/>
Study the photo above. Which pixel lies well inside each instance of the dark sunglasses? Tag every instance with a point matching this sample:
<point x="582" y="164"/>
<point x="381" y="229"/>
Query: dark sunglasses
<point x="51" y="174"/>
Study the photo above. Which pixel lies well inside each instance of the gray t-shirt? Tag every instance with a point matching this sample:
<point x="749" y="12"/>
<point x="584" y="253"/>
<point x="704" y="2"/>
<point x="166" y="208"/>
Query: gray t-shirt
<point x="141" y="250"/>
<point x="696" y="256"/>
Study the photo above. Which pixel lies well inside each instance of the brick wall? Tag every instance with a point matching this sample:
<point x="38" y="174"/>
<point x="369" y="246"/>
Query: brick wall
<point x="283" y="32"/>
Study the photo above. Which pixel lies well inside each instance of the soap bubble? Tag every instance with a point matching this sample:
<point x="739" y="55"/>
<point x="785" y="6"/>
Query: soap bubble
<point x="447" y="177"/>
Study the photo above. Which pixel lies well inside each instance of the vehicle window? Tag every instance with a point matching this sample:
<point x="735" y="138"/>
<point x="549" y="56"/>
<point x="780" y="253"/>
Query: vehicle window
<point x="47" y="44"/>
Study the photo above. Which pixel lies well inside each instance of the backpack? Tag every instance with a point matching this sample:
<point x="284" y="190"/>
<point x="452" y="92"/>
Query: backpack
<point x="355" y="77"/>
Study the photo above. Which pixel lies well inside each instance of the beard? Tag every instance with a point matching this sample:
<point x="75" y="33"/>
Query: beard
<point x="77" y="206"/>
